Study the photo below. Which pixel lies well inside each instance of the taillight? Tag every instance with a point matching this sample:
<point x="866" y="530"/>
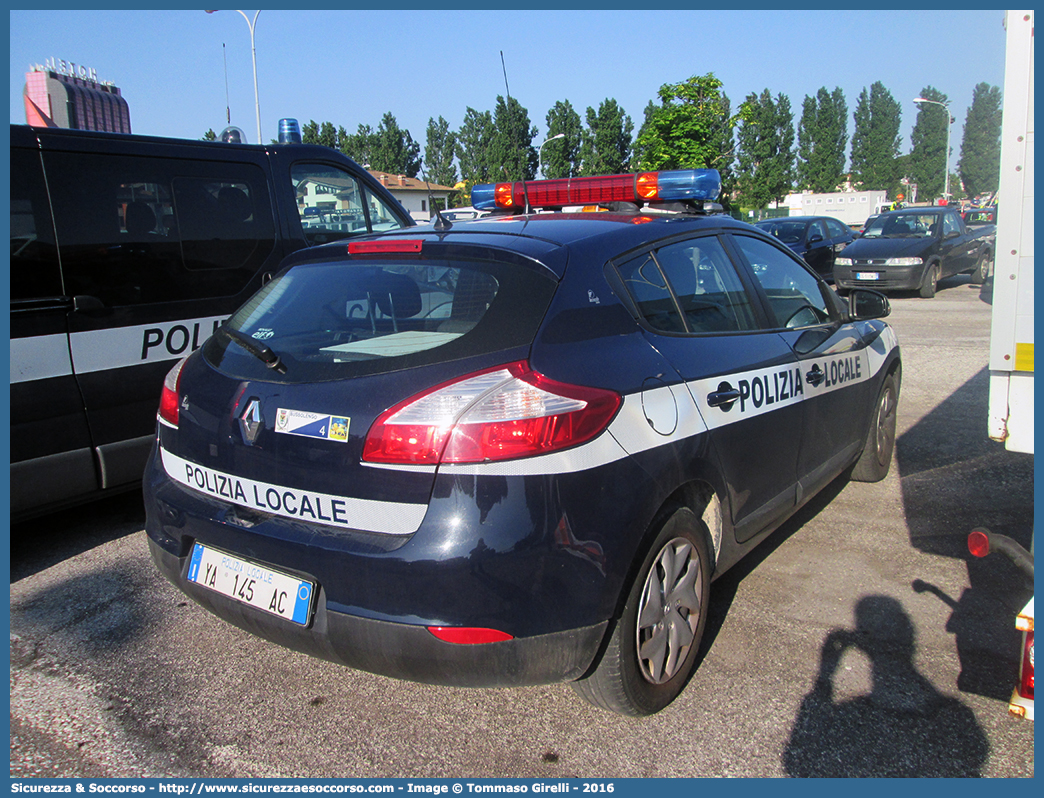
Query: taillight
<point x="168" y="409"/>
<point x="502" y="413"/>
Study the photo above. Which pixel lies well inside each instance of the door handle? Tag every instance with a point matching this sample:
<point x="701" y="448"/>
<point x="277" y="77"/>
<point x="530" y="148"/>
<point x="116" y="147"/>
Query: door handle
<point x="815" y="375"/>
<point x="725" y="395"/>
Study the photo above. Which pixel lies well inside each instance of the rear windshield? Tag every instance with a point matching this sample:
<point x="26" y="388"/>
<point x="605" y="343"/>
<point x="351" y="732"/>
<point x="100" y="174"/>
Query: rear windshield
<point x="340" y="319"/>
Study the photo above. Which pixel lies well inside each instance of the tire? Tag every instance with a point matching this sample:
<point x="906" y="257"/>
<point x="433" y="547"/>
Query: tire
<point x="876" y="459"/>
<point x="982" y="270"/>
<point x="653" y="647"/>
<point x="931" y="280"/>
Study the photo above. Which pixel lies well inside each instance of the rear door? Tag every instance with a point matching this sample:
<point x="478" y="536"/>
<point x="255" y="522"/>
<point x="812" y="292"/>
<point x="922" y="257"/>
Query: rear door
<point x="697" y="310"/>
<point x="819" y="253"/>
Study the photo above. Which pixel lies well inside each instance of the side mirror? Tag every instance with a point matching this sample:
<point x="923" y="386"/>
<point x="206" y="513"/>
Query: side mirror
<point x="864" y="304"/>
<point x="815" y="238"/>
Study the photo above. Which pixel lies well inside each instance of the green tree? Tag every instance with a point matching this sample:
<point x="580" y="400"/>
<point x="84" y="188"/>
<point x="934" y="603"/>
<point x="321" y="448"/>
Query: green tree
<point x="473" y="151"/>
<point x="439" y="153"/>
<point x="473" y="142"/>
<point x="928" y="164"/>
<point x="210" y="135"/>
<point x="606" y="143"/>
<point x="875" y="140"/>
<point x="511" y="151"/>
<point x="328" y="136"/>
<point x="310" y="132"/>
<point x="394" y="149"/>
<point x="562" y="157"/>
<point x="764" y="149"/>
<point x="690" y="129"/>
<point x="359" y="146"/>
<point x="979" y="166"/>
<point x="822" y="139"/>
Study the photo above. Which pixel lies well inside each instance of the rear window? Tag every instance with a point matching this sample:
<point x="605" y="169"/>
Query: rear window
<point x="334" y="320"/>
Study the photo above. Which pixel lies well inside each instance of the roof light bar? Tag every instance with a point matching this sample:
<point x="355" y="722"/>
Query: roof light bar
<point x="681" y="184"/>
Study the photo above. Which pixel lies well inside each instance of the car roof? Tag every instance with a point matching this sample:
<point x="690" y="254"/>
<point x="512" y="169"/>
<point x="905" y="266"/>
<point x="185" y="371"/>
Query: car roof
<point x="539" y="235"/>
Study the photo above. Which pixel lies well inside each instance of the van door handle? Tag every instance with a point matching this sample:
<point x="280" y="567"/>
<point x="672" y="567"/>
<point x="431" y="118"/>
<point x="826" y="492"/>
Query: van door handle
<point x="815" y="375"/>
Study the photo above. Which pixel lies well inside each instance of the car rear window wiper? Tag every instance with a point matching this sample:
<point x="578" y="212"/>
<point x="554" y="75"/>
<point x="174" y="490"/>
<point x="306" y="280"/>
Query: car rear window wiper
<point x="261" y="351"/>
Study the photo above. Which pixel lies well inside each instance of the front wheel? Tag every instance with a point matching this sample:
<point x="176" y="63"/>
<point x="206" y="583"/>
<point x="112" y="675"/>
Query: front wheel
<point x="931" y="280"/>
<point x="654" y="644"/>
<point x="876" y="459"/>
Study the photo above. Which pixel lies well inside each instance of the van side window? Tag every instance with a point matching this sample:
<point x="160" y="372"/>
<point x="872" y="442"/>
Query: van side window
<point x="139" y="230"/>
<point x="332" y="204"/>
<point x="34" y="257"/>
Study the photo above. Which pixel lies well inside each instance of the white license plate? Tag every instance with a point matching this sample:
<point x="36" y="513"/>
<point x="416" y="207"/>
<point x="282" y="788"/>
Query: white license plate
<point x="246" y="582"/>
<point x="867" y="275"/>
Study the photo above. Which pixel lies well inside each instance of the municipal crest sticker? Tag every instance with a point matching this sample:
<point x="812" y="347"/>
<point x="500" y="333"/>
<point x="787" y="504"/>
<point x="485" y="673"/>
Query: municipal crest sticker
<point x="312" y="425"/>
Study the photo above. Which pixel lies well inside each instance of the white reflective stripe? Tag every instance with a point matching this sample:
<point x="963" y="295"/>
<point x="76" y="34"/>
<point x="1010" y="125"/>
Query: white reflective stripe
<point x="117" y="347"/>
<point x="39" y="358"/>
<point x="765" y="390"/>
<point x="389" y="518"/>
<point x="628" y="434"/>
<point x="878" y="351"/>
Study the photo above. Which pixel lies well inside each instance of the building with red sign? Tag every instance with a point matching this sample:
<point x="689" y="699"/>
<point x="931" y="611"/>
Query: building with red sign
<point x="67" y="95"/>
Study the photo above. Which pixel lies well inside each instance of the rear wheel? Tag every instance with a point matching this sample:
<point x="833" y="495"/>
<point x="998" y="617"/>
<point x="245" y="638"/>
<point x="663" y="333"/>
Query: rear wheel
<point x="876" y="459"/>
<point x="653" y="647"/>
<point x="931" y="280"/>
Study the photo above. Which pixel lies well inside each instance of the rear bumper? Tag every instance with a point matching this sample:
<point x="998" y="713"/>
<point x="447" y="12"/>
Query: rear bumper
<point x="399" y="650"/>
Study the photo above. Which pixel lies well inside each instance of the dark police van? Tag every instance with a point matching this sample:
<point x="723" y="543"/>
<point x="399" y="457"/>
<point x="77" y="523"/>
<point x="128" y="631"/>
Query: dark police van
<point x="126" y="253"/>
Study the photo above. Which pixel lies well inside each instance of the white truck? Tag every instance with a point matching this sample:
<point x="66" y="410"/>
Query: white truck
<point x="1011" y="334"/>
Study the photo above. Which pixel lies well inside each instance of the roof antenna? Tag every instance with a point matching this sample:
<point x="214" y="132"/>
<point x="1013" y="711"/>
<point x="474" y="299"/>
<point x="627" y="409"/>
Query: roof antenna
<point x="525" y="192"/>
<point x="441" y="225"/>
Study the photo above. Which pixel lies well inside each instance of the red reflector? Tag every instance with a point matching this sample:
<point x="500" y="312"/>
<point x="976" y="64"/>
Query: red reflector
<point x="978" y="543"/>
<point x="397" y="245"/>
<point x="1026" y="682"/>
<point x="468" y="636"/>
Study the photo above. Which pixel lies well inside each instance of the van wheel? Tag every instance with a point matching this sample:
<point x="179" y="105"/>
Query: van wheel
<point x="876" y="459"/>
<point x="931" y="280"/>
<point x="653" y="647"/>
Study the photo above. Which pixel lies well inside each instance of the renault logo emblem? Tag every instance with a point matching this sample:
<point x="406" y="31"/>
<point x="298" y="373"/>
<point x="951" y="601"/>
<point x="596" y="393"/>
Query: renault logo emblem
<point x="250" y="421"/>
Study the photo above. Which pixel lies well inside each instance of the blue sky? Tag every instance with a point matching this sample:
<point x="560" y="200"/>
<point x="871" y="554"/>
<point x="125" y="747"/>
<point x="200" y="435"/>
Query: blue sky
<point x="350" y="67"/>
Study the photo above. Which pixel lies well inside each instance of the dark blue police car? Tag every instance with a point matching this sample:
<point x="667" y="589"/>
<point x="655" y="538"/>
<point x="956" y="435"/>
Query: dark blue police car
<point x="518" y="449"/>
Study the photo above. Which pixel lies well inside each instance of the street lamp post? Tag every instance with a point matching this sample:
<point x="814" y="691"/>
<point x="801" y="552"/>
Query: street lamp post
<point x="946" y="108"/>
<point x="540" y="152"/>
<point x="253" y="56"/>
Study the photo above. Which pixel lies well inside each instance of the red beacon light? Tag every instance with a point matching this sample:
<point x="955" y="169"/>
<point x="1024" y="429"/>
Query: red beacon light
<point x="701" y="185"/>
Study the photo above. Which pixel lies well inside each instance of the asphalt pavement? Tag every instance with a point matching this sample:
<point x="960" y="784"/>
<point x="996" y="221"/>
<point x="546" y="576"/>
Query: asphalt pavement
<point x="859" y="640"/>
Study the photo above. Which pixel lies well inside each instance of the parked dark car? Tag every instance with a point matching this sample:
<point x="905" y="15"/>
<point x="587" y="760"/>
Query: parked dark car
<point x="912" y="249"/>
<point x="516" y="450"/>
<point x="858" y="231"/>
<point x="816" y="239"/>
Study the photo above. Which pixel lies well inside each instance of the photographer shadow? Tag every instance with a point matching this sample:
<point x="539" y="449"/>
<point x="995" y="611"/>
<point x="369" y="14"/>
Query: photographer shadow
<point x="903" y="728"/>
